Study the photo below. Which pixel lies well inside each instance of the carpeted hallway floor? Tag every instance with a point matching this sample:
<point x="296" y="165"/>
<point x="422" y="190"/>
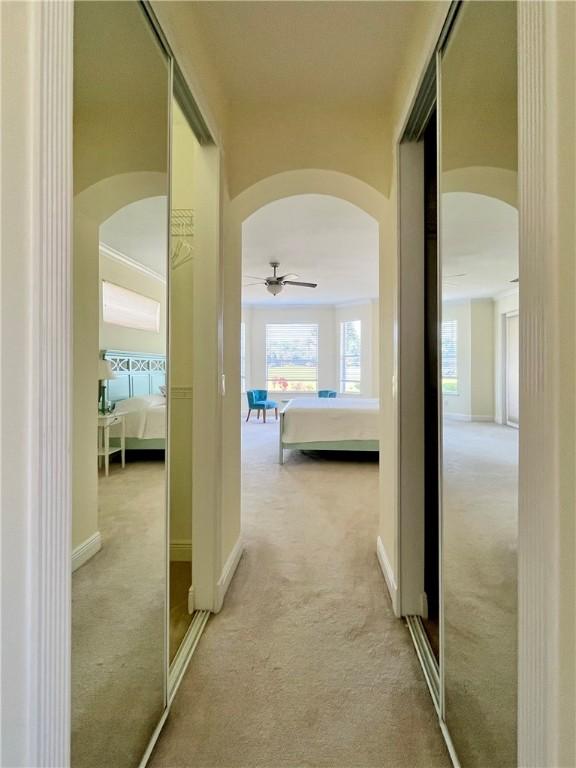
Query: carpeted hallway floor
<point x="480" y="591"/>
<point x="118" y="619"/>
<point x="306" y="665"/>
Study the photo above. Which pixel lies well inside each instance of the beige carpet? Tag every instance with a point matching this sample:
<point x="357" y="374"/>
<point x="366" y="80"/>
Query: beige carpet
<point x="306" y="664"/>
<point x="118" y="617"/>
<point x="480" y="577"/>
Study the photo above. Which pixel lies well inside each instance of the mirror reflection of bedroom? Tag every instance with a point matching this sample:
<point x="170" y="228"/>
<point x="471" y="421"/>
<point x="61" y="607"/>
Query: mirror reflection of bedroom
<point x="121" y="180"/>
<point x="309" y="375"/>
<point x="132" y="436"/>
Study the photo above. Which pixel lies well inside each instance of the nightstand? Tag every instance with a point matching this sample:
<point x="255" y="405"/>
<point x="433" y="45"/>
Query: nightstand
<point x="105" y="421"/>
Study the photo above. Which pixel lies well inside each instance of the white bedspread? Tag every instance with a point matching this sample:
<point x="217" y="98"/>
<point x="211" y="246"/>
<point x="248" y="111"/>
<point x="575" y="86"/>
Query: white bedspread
<point x="144" y="417"/>
<point x="312" y="420"/>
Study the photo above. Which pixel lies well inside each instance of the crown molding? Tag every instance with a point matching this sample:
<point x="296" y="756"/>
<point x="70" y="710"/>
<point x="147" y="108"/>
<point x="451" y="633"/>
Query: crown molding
<point x="121" y="257"/>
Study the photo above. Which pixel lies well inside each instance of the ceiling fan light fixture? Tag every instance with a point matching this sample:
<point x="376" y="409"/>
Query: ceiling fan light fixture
<point x="274" y="288"/>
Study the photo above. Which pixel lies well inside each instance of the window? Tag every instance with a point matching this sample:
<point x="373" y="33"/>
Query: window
<point x="350" y="351"/>
<point x="243" y="357"/>
<point x="121" y="306"/>
<point x="292" y="357"/>
<point x="449" y="342"/>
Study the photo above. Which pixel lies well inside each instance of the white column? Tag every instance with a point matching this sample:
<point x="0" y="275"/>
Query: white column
<point x="547" y="544"/>
<point x="36" y="147"/>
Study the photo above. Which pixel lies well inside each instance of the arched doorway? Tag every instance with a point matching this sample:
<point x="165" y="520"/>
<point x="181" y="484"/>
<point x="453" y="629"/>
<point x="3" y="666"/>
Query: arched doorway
<point x="375" y="205"/>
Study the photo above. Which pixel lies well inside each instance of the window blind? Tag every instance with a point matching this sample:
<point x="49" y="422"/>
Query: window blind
<point x="350" y="357"/>
<point x="121" y="306"/>
<point x="292" y="357"/>
<point x="449" y="351"/>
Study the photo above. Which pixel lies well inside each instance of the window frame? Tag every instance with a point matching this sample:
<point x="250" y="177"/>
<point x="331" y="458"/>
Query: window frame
<point x="443" y="377"/>
<point x="344" y="356"/>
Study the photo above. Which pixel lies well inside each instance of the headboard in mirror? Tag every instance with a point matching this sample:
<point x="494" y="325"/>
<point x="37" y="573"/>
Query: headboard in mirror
<point x="137" y="374"/>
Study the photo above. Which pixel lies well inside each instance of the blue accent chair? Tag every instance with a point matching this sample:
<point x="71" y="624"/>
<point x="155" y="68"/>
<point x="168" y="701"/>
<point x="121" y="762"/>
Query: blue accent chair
<point x="258" y="401"/>
<point x="326" y="393"/>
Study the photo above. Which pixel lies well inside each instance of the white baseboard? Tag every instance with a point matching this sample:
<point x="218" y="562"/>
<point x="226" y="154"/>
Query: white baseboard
<point x="181" y="550"/>
<point x="228" y="572"/>
<point x="467" y="417"/>
<point x="388" y="573"/>
<point x="457" y="416"/>
<point x="86" y="550"/>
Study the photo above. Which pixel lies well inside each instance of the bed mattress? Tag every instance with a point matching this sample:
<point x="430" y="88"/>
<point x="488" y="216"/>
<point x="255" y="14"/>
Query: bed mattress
<point x="313" y="420"/>
<point x="144" y="417"/>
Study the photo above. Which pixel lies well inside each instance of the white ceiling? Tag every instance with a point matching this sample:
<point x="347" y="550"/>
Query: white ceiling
<point x="139" y="231"/>
<point x="323" y="239"/>
<point x="480" y="239"/>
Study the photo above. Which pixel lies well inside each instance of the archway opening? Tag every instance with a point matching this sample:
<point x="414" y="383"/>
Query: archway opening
<point x="310" y="375"/>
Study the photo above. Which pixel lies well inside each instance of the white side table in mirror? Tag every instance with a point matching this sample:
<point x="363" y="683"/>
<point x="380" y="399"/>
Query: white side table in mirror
<point x="105" y="450"/>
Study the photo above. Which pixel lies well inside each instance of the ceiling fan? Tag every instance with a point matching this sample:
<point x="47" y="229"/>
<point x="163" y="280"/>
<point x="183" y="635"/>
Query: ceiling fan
<point x="275" y="283"/>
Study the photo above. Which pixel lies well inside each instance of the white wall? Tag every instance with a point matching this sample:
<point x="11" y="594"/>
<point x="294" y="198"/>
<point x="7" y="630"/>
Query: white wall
<point x="482" y="360"/>
<point x="328" y="318"/>
<point x="475" y="345"/>
<point x="502" y="306"/>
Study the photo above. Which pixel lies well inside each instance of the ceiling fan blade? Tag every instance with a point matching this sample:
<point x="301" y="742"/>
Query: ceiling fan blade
<point x="304" y="285"/>
<point x="253" y="277"/>
<point x="247" y="285"/>
<point x="283" y="278"/>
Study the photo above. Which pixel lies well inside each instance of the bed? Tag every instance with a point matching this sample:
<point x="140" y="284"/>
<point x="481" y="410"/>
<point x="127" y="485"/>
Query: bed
<point x="137" y="394"/>
<point x="326" y="424"/>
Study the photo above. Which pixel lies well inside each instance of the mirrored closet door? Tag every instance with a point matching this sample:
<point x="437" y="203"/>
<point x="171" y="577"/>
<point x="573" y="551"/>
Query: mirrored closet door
<point x="479" y="381"/>
<point x="122" y="107"/>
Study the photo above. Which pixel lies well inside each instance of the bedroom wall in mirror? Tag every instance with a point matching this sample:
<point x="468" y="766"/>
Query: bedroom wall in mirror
<point x="119" y="584"/>
<point x="479" y="372"/>
<point x="182" y="250"/>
